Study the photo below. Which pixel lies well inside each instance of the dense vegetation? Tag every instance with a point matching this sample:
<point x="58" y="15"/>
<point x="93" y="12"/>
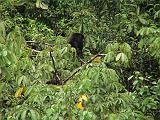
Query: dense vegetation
<point x="120" y="79"/>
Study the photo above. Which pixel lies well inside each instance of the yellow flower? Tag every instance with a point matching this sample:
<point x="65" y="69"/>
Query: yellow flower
<point x="83" y="97"/>
<point x="80" y="106"/>
<point x="81" y="102"/>
<point x="97" y="60"/>
<point x="19" y="92"/>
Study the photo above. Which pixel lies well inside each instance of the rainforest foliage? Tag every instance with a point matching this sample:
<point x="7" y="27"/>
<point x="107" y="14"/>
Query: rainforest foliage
<point x="118" y="77"/>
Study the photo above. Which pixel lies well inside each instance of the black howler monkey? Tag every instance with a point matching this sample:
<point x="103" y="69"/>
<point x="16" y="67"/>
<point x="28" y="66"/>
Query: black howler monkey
<point x="76" y="40"/>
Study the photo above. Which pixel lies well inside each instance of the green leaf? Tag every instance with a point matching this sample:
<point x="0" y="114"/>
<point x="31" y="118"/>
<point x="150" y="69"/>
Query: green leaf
<point x="38" y="2"/>
<point x="7" y="60"/>
<point x="12" y="57"/>
<point x="20" y="2"/>
<point x="34" y="115"/>
<point x="2" y="30"/>
<point x="110" y="56"/>
<point x="49" y="111"/>
<point x="23" y="115"/>
<point x="60" y="118"/>
<point x="138" y="10"/>
<point x="112" y="47"/>
<point x="122" y="57"/>
<point x="113" y="117"/>
<point x="118" y="56"/>
<point x="22" y="79"/>
<point x="135" y="82"/>
<point x="4" y="53"/>
<point x="157" y="14"/>
<point x="126" y="49"/>
<point x="43" y="6"/>
<point x="2" y="40"/>
<point x="142" y="20"/>
<point x="28" y="91"/>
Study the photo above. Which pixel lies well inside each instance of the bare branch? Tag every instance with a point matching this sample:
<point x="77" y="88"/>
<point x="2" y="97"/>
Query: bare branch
<point x="39" y="42"/>
<point x="55" y="69"/>
<point x="53" y="61"/>
<point x="36" y="51"/>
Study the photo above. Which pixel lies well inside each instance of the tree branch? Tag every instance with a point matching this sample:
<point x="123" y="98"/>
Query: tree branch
<point x="39" y="42"/>
<point x="79" y="68"/>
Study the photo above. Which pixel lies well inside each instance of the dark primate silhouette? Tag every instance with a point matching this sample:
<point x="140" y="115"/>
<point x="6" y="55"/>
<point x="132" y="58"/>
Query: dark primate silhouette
<point x="76" y="41"/>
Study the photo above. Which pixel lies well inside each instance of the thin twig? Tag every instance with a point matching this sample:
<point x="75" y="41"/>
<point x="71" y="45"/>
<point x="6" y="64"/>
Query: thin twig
<point x="39" y="42"/>
<point x="31" y="41"/>
<point x="36" y="51"/>
<point x="55" y="69"/>
<point x="53" y="61"/>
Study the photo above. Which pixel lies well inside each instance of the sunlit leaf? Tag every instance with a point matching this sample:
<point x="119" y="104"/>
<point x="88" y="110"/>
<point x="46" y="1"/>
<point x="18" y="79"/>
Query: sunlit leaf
<point x="38" y="2"/>
<point x="2" y="30"/>
<point x="4" y="53"/>
<point x="23" y="115"/>
<point x="157" y="14"/>
<point x="28" y="91"/>
<point x="112" y="117"/>
<point x="34" y="115"/>
<point x="121" y="57"/>
<point x="110" y="56"/>
<point x="118" y="56"/>
<point x="142" y="20"/>
<point x="43" y="6"/>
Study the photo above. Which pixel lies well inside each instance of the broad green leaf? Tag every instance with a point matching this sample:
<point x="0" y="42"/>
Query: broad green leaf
<point x="113" y="117"/>
<point x="2" y="30"/>
<point x="157" y="14"/>
<point x="38" y="2"/>
<point x="112" y="47"/>
<point x="118" y="56"/>
<point x="110" y="56"/>
<point x="49" y="111"/>
<point x="22" y="80"/>
<point x="138" y="10"/>
<point x="28" y="91"/>
<point x="12" y="57"/>
<point x="142" y="20"/>
<point x="126" y="49"/>
<point x="4" y="53"/>
<point x="34" y="115"/>
<point x="43" y="6"/>
<point x="121" y="57"/>
<point x="23" y="115"/>
<point x="2" y="40"/>
<point x="20" y="2"/>
<point x="7" y="60"/>
<point x="135" y="82"/>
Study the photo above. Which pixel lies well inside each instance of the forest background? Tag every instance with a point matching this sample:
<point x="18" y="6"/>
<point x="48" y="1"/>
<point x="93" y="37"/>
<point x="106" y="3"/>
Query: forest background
<point x="120" y="79"/>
